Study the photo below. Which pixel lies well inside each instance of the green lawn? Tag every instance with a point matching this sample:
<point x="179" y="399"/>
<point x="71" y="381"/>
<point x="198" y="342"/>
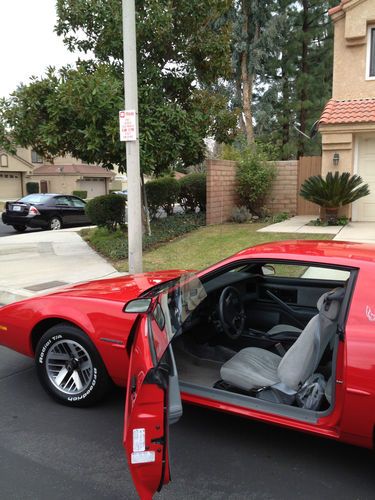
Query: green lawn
<point x="209" y="244"/>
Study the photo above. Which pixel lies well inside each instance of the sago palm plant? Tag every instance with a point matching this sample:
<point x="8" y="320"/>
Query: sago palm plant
<point x="335" y="191"/>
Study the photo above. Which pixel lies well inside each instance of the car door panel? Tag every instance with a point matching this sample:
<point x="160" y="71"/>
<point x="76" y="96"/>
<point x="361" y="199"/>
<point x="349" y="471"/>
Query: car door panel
<point x="300" y="295"/>
<point x="78" y="206"/>
<point x="152" y="403"/>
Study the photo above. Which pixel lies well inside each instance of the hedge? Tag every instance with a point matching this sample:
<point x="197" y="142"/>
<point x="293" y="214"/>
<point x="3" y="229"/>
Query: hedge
<point x="107" y="210"/>
<point x="80" y="194"/>
<point x="32" y="187"/>
<point x="162" y="192"/>
<point x="193" y="192"/>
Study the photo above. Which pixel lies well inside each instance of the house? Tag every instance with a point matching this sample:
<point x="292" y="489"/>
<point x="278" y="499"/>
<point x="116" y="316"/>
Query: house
<point x="65" y="175"/>
<point x="13" y="172"/>
<point x="347" y="124"/>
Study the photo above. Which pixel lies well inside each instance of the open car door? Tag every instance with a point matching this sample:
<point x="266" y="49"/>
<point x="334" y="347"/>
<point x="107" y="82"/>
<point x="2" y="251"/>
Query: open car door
<point x="153" y="398"/>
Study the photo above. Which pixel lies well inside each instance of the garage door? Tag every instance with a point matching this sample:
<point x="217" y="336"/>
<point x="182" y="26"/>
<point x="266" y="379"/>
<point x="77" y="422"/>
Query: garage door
<point x="93" y="186"/>
<point x="10" y="186"/>
<point x="364" y="209"/>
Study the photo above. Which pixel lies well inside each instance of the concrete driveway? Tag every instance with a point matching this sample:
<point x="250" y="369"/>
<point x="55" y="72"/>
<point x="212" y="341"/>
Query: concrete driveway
<point x="362" y="232"/>
<point x="35" y="262"/>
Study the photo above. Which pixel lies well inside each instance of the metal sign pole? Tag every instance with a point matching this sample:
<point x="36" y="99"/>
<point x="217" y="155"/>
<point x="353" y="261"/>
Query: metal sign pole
<point x="132" y="140"/>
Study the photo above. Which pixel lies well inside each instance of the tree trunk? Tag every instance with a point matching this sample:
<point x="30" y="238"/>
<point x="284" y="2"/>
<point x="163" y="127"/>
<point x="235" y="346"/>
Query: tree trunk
<point x="285" y="131"/>
<point x="239" y="99"/>
<point x="246" y="77"/>
<point x="145" y="212"/>
<point x="304" y="70"/>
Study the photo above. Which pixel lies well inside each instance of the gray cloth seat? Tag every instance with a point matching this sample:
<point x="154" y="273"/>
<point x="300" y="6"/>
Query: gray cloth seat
<point x="284" y="329"/>
<point x="254" y="368"/>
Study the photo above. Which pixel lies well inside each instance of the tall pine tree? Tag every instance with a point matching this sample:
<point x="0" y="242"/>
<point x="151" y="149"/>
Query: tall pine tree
<point x="297" y="76"/>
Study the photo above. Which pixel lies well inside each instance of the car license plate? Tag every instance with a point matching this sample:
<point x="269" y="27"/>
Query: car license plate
<point x="16" y="208"/>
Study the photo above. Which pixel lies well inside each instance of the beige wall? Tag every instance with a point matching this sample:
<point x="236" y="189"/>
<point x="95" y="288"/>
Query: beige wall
<point x="25" y="154"/>
<point x="65" y="160"/>
<point x="64" y="184"/>
<point x="15" y="165"/>
<point x="221" y="195"/>
<point x="341" y="139"/>
<point x="221" y="190"/>
<point x="283" y="196"/>
<point x="350" y="51"/>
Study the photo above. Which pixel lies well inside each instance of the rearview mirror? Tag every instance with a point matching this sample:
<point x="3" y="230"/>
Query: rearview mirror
<point x="268" y="270"/>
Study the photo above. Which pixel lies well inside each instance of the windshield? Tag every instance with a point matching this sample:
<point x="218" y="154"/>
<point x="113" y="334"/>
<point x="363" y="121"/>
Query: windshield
<point x="177" y="303"/>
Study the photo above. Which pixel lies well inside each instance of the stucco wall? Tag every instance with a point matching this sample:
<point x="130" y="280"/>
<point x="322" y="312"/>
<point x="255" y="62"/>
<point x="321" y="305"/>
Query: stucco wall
<point x="221" y="190"/>
<point x="350" y="52"/>
<point x="63" y="184"/>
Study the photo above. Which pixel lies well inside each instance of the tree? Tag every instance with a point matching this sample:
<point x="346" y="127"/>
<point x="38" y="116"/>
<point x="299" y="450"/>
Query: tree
<point x="251" y="41"/>
<point x="297" y="77"/>
<point x="183" y="52"/>
<point x="314" y="78"/>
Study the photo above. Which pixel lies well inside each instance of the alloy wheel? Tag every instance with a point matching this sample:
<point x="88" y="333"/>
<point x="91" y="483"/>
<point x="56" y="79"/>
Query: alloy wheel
<point x="55" y="224"/>
<point x="69" y="367"/>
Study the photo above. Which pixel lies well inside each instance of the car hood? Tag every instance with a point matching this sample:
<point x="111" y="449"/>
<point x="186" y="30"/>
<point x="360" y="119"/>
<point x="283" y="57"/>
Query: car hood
<point x="121" y="288"/>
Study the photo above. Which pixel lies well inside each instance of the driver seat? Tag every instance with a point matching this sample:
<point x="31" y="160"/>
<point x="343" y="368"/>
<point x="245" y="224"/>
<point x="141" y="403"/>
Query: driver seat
<point x="253" y="368"/>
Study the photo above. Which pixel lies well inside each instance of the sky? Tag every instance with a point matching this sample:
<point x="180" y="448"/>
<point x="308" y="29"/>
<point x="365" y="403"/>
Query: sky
<point x="28" y="43"/>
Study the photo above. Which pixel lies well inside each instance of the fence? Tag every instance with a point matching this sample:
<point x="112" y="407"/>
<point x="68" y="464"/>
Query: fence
<point x="221" y="188"/>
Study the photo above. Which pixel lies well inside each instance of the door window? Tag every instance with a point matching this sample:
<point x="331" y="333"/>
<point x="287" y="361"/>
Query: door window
<point x="77" y="203"/>
<point x="308" y="272"/>
<point x="62" y="201"/>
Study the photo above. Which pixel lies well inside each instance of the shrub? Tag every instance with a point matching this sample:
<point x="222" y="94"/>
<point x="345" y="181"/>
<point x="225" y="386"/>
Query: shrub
<point x="254" y="178"/>
<point x="280" y="217"/>
<point x="80" y="194"/>
<point x="107" y="210"/>
<point x="241" y="215"/>
<point x="162" y="192"/>
<point x="333" y="192"/>
<point x="193" y="192"/>
<point x="32" y="187"/>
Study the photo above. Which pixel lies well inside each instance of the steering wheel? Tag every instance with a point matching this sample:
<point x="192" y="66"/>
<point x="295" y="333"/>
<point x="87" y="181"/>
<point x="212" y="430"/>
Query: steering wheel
<point x="231" y="312"/>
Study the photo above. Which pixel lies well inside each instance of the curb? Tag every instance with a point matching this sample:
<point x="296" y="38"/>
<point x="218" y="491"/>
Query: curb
<point x="9" y="296"/>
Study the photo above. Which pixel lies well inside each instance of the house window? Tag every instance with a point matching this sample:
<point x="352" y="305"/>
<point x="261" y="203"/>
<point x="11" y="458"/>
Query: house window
<point x="36" y="158"/>
<point x="3" y="160"/>
<point x="371" y="52"/>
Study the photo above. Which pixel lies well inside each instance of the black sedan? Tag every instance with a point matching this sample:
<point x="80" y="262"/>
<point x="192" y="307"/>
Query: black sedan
<point x="46" y="211"/>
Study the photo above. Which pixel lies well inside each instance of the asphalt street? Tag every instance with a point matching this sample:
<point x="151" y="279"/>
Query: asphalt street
<point x="50" y="451"/>
<point x="8" y="230"/>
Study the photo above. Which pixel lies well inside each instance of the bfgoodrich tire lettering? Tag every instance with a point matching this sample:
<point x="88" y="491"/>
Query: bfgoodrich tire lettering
<point x="69" y="367"/>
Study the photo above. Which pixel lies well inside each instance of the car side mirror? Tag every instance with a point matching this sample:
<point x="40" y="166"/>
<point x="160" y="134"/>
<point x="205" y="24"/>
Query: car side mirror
<point x="137" y="306"/>
<point x="268" y="270"/>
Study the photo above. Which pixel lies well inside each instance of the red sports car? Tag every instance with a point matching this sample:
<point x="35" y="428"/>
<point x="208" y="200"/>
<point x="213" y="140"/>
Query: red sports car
<point x="282" y="332"/>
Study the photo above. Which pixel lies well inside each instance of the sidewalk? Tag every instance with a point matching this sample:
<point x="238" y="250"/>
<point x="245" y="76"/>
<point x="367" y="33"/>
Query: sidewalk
<point x="362" y="232"/>
<point x="38" y="262"/>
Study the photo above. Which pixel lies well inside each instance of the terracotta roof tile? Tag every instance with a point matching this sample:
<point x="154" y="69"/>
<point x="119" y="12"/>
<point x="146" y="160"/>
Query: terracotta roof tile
<point x="339" y="7"/>
<point x="81" y="169"/>
<point x="351" y="111"/>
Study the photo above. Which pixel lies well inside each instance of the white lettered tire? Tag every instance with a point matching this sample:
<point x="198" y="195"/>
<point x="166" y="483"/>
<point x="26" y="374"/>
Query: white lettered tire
<point x="70" y="368"/>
